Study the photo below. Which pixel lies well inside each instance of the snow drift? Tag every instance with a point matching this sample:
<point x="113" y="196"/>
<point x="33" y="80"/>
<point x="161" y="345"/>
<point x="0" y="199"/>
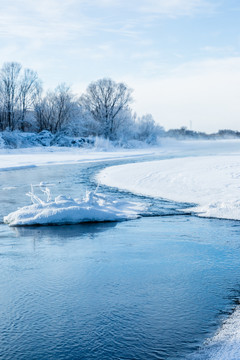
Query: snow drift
<point x="94" y="207"/>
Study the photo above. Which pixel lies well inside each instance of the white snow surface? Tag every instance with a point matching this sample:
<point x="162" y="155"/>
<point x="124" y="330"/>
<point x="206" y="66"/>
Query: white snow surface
<point x="65" y="210"/>
<point x="211" y="182"/>
<point x="13" y="159"/>
<point x="205" y="173"/>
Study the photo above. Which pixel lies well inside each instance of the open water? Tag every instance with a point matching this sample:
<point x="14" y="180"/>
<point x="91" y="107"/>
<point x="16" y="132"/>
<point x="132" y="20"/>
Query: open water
<point x="153" y="288"/>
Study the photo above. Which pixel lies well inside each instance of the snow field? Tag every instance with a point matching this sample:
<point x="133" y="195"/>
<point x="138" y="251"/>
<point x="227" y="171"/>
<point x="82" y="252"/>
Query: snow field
<point x="210" y="182"/>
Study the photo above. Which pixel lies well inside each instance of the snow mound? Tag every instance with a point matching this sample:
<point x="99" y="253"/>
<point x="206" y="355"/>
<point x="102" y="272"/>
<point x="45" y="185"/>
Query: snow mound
<point x="94" y="207"/>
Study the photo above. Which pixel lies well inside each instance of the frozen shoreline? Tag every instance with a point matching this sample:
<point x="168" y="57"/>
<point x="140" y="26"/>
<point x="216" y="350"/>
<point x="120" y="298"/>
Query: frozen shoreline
<point x="205" y="173"/>
<point x="211" y="182"/>
<point x="32" y="157"/>
<point x="13" y="159"/>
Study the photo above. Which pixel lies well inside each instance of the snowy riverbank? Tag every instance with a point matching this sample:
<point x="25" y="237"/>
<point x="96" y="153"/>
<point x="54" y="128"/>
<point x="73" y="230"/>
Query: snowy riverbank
<point x="39" y="156"/>
<point x="211" y="182"/>
<point x="31" y="157"/>
<point x="205" y="173"/>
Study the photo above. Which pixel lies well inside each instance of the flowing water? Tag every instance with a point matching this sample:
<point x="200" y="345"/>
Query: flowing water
<point x="152" y="288"/>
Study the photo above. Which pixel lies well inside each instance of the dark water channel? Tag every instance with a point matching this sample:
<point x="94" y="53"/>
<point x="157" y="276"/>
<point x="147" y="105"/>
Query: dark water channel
<point x="152" y="288"/>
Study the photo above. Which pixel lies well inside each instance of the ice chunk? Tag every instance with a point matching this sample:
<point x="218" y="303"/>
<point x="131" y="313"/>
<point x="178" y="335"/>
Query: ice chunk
<point x="94" y="207"/>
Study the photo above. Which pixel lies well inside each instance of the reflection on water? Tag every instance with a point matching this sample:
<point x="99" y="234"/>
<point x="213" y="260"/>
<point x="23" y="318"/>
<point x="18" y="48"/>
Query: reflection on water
<point x="63" y="232"/>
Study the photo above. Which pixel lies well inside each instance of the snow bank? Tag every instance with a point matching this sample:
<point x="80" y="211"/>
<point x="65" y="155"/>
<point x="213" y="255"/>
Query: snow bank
<point x="211" y="182"/>
<point x="23" y="158"/>
<point x="65" y="210"/>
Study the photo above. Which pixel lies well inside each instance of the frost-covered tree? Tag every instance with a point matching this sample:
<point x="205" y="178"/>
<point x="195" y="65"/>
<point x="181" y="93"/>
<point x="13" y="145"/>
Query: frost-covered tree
<point x="43" y="113"/>
<point x="63" y="103"/>
<point x="56" y="110"/>
<point x="82" y="123"/>
<point x="126" y="127"/>
<point x="147" y="129"/>
<point x="106" y="102"/>
<point x="18" y="91"/>
<point x="29" y="93"/>
<point x="10" y="86"/>
<point x="103" y="110"/>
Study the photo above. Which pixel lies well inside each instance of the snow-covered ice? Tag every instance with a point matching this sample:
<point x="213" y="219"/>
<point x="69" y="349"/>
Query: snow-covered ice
<point x="13" y="159"/>
<point x="94" y="207"/>
<point x="211" y="182"/>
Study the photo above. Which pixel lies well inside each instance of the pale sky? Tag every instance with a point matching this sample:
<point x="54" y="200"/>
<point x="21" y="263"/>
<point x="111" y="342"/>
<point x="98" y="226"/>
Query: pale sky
<point x="181" y="57"/>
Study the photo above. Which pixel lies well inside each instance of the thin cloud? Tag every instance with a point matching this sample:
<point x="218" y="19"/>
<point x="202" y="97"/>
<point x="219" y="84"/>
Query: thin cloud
<point x="175" y="8"/>
<point x="49" y="20"/>
<point x="220" y="50"/>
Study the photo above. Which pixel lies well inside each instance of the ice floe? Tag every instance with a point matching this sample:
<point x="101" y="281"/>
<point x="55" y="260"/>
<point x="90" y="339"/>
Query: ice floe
<point x="94" y="207"/>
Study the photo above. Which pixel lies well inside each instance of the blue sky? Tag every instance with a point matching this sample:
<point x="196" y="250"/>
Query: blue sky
<point x="181" y="57"/>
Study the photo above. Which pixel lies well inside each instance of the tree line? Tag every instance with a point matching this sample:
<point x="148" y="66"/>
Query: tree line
<point x="103" y="110"/>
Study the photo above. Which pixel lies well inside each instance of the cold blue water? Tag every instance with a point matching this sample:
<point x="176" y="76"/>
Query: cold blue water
<point x="152" y="288"/>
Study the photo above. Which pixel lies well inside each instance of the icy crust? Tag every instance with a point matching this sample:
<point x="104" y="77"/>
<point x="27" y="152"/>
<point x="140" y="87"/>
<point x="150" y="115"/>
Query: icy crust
<point x="94" y="207"/>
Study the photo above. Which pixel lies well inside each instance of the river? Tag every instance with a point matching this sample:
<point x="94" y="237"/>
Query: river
<point x="152" y="288"/>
